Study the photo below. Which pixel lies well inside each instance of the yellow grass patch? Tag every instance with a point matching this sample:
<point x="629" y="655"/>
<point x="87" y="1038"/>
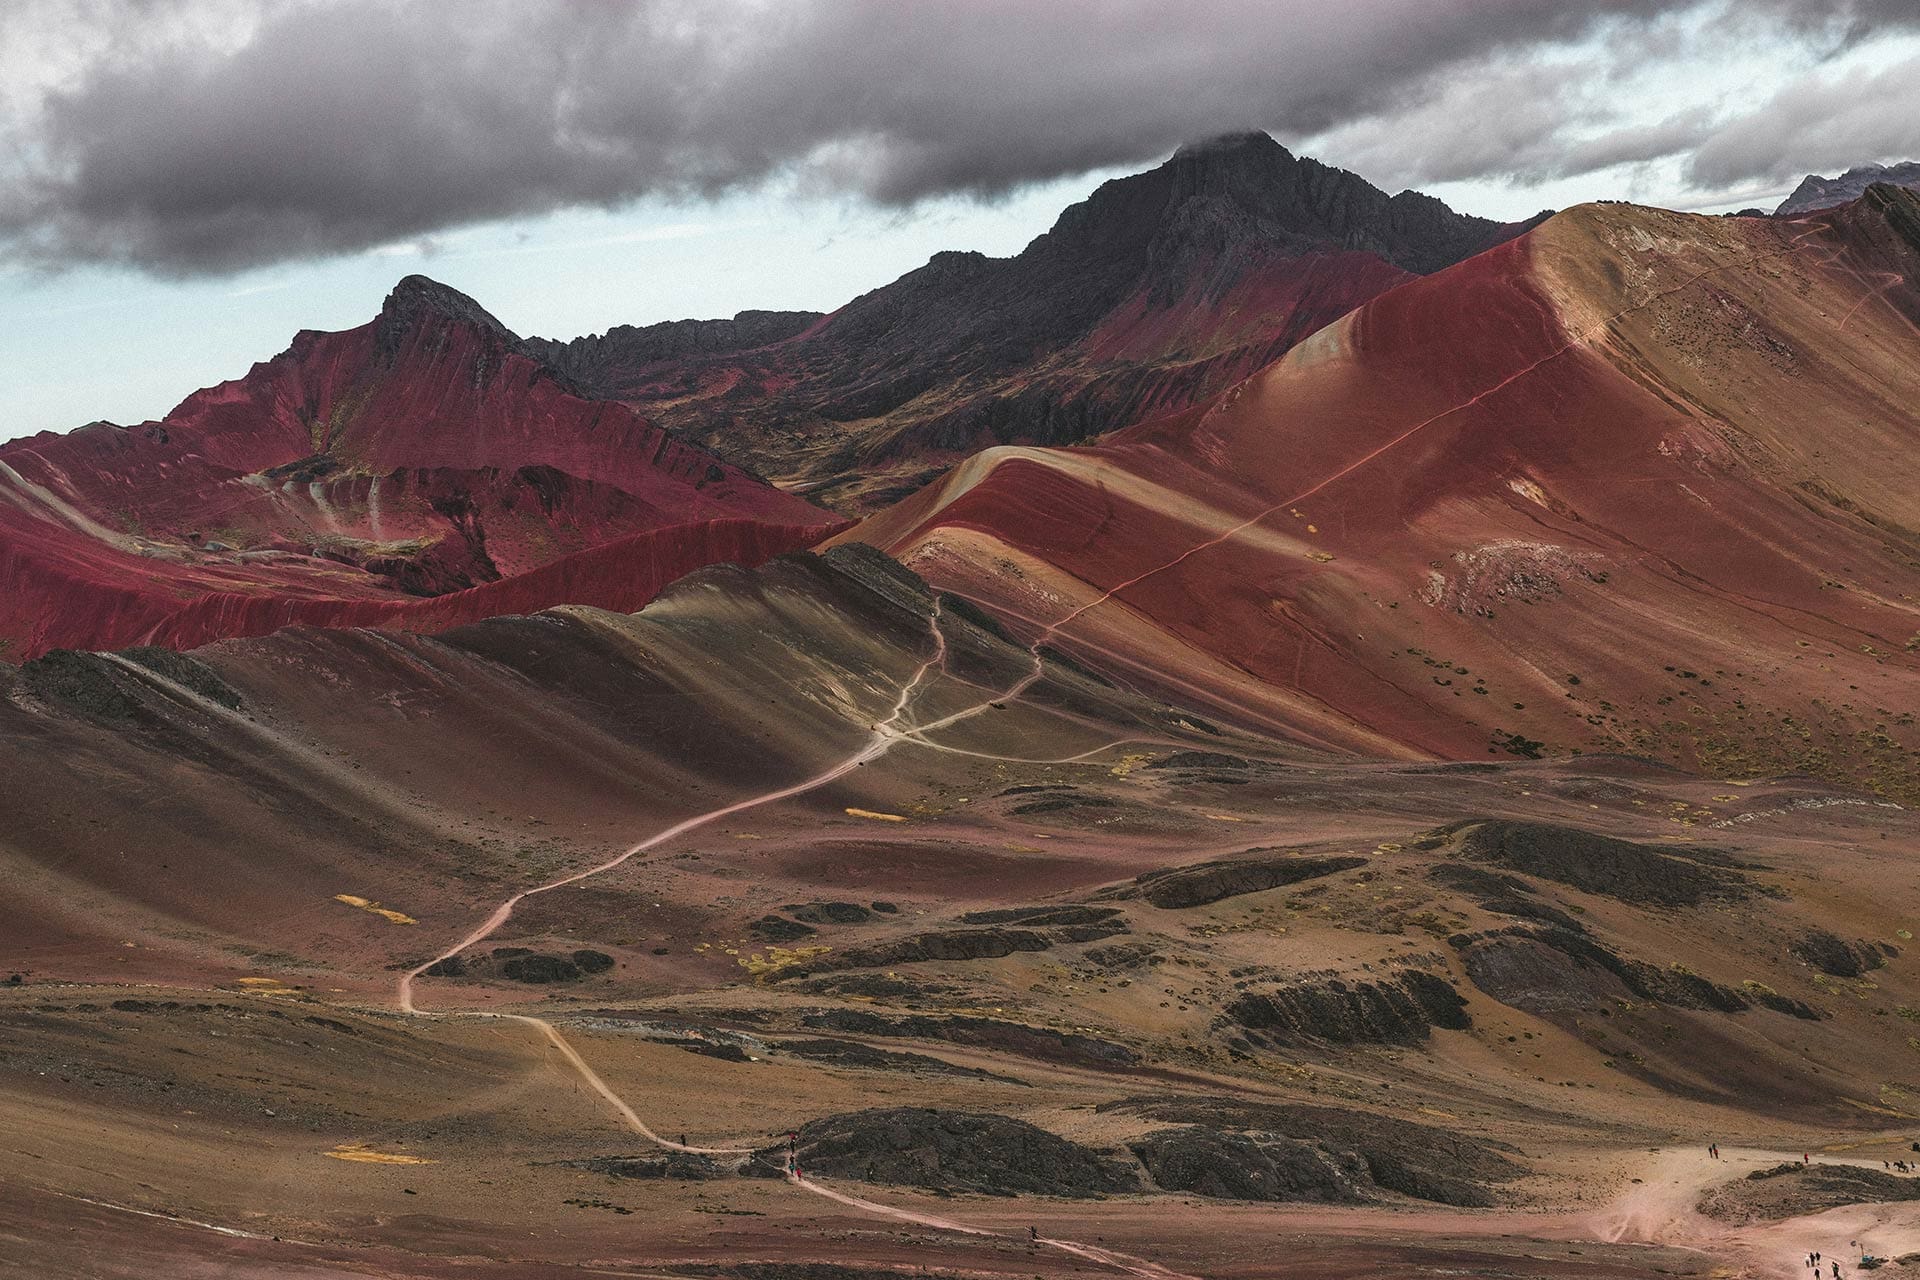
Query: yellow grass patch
<point x="774" y="959"/>
<point x="355" y="900"/>
<point x="877" y="817"/>
<point x="359" y="1153"/>
<point x="261" y="982"/>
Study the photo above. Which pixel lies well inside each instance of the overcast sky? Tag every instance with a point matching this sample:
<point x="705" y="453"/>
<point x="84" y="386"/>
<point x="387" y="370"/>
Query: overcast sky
<point x="184" y="185"/>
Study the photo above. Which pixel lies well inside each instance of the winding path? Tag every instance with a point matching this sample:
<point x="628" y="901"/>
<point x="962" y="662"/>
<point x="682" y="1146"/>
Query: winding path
<point x="884" y="736"/>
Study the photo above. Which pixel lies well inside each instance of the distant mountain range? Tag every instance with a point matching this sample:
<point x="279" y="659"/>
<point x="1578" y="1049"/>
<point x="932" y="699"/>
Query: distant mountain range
<point x="430" y="467"/>
<point x="1816" y="192"/>
<point x="1593" y="486"/>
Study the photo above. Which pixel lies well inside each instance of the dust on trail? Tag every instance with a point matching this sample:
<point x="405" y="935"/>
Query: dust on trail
<point x="1661" y="1209"/>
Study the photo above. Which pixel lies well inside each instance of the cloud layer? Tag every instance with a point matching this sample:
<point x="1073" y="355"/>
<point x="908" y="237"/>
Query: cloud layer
<point x="202" y="139"/>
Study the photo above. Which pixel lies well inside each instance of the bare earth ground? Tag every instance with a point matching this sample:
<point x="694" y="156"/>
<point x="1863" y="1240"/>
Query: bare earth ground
<point x="1510" y="1003"/>
<point x="229" y="1117"/>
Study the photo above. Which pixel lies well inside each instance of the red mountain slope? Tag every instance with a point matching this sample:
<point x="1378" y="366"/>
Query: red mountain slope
<point x="1638" y="481"/>
<point x="418" y="471"/>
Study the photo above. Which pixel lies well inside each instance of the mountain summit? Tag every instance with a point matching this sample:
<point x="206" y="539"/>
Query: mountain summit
<point x="1153" y="293"/>
<point x="1244" y="186"/>
<point x="416" y="298"/>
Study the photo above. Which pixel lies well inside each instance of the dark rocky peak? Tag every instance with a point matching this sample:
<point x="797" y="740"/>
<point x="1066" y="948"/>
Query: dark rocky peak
<point x="1816" y="192"/>
<point x="627" y="347"/>
<point x="417" y="301"/>
<point x="1246" y="189"/>
<point x="1127" y="214"/>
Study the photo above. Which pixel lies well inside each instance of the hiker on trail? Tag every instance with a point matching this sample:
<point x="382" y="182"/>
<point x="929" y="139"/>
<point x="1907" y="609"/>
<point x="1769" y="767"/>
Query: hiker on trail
<point x="1033" y="1236"/>
<point x="1836" y="1271"/>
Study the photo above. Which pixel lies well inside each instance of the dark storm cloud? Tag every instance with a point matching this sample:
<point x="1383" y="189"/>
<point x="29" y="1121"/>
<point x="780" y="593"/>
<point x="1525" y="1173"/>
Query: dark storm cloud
<point x="183" y="146"/>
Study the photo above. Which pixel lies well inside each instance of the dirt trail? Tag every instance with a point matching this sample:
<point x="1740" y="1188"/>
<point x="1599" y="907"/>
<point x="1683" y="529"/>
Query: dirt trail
<point x="882" y="738"/>
<point x="885" y="734"/>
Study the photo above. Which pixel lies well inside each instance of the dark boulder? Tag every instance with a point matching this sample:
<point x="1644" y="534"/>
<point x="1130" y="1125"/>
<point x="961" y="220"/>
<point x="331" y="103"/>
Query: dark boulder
<point x="1640" y="874"/>
<point x="1043" y="1043"/>
<point x="539" y="969"/>
<point x="1402" y="1010"/>
<point x="681" y="1165"/>
<point x="1368" y="1152"/>
<point x="1834" y="956"/>
<point x="592" y="961"/>
<point x="1240" y="1166"/>
<point x="779" y="929"/>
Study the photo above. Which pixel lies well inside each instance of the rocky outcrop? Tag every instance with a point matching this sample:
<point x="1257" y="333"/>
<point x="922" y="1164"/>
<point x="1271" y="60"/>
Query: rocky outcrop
<point x="1400" y="1010"/>
<point x="1043" y="1043"/>
<point x="849" y="1053"/>
<point x="1815" y="192"/>
<point x="1792" y="1190"/>
<point x="1636" y="873"/>
<point x="984" y="943"/>
<point x="680" y="1166"/>
<point x="772" y="928"/>
<point x="521" y="964"/>
<point x="1549" y="970"/>
<point x="828" y="912"/>
<point x="951" y="1151"/>
<point x="1199" y="760"/>
<point x="1241" y="1166"/>
<point x="1207" y="882"/>
<point x="1502" y="894"/>
<point x="1834" y="956"/>
<point x="1259" y="1151"/>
